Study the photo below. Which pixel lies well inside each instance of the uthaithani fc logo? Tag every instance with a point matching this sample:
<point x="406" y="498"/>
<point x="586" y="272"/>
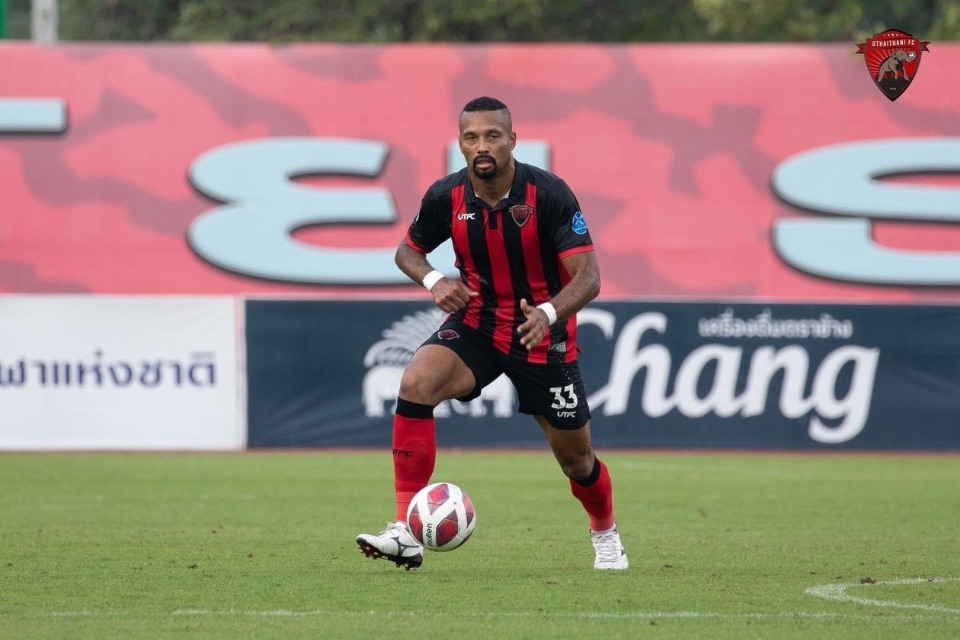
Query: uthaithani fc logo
<point x="892" y="58"/>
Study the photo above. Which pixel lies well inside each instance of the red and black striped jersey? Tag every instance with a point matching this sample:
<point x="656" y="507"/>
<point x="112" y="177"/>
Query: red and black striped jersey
<point x="508" y="252"/>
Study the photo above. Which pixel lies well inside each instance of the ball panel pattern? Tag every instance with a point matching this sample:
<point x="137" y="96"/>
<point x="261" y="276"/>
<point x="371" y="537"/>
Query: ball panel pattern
<point x="441" y="516"/>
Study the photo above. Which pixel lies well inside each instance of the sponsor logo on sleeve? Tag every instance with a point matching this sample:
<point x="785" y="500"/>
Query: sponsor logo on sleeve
<point x="579" y="225"/>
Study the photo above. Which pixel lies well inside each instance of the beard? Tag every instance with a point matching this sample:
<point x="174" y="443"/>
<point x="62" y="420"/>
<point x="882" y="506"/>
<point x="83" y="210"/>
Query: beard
<point x="486" y="173"/>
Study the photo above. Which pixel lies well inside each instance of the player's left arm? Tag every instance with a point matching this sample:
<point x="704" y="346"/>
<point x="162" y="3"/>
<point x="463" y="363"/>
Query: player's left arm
<point x="583" y="286"/>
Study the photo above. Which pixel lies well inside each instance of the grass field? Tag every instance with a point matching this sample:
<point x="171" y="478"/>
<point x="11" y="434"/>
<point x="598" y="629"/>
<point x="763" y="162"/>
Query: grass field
<point x="260" y="545"/>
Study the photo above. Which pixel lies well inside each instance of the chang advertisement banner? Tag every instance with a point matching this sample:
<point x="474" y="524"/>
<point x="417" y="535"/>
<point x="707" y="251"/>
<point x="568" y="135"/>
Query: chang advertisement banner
<point x="786" y="376"/>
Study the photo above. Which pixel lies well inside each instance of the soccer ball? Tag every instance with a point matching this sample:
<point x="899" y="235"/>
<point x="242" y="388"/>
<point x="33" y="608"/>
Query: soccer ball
<point x="441" y="516"/>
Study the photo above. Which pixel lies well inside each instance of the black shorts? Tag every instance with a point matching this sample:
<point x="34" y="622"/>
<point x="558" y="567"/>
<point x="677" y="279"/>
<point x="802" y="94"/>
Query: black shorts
<point x="554" y="391"/>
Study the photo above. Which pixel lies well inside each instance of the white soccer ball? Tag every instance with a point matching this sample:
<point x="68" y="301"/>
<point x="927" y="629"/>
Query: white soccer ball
<point x="441" y="516"/>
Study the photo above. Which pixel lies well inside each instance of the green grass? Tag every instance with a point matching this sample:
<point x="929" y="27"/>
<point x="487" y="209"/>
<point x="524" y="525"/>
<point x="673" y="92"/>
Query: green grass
<point x="260" y="545"/>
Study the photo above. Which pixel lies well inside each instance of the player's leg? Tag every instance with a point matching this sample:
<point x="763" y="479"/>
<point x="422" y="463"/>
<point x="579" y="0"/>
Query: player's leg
<point x="589" y="479"/>
<point x="436" y="373"/>
<point x="556" y="397"/>
<point x="590" y="483"/>
<point x="448" y="365"/>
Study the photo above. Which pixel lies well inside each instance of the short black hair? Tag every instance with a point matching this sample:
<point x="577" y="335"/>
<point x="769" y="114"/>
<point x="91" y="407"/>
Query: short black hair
<point x="483" y="103"/>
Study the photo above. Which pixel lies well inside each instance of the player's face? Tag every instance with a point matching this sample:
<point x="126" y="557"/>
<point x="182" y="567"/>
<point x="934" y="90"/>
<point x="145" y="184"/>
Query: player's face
<point x="486" y="141"/>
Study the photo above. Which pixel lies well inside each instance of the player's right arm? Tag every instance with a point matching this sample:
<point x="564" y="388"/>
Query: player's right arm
<point x="428" y="230"/>
<point x="448" y="293"/>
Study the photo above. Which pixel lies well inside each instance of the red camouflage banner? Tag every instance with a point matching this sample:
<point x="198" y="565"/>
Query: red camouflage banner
<point x="766" y="172"/>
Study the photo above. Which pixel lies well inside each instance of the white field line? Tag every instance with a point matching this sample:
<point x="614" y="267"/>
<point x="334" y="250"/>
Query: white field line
<point x="835" y="592"/>
<point x="581" y="615"/>
<point x="494" y="615"/>
<point x="838" y="592"/>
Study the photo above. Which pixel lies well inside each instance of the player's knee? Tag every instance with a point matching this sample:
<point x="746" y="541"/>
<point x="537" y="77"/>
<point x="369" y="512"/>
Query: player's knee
<point x="417" y="387"/>
<point x="426" y="386"/>
<point x="578" y="466"/>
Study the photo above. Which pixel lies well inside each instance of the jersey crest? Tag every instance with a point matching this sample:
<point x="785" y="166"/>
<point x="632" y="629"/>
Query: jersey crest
<point x="521" y="213"/>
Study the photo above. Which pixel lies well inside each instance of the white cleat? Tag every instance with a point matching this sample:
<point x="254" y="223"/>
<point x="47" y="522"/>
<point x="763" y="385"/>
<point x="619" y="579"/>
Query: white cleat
<point x="609" y="549"/>
<point x="395" y="544"/>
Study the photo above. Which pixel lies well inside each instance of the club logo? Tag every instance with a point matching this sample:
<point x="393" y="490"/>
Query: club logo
<point x="892" y="58"/>
<point x="521" y="213"/>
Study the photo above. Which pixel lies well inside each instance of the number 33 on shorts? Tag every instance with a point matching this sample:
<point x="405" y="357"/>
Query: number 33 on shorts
<point x="564" y="397"/>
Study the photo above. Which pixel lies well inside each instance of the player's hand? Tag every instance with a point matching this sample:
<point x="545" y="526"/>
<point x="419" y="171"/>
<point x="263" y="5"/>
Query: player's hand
<point x="451" y="295"/>
<point x="535" y="327"/>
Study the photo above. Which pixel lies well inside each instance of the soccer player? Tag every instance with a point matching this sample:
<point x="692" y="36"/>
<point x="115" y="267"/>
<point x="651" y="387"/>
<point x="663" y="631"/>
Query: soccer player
<point x="527" y="266"/>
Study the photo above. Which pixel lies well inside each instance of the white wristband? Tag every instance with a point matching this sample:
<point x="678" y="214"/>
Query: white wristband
<point x="431" y="279"/>
<point x="548" y="309"/>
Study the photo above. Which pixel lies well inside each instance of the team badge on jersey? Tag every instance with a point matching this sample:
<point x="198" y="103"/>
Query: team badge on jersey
<point x="521" y="214"/>
<point x="579" y="225"/>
